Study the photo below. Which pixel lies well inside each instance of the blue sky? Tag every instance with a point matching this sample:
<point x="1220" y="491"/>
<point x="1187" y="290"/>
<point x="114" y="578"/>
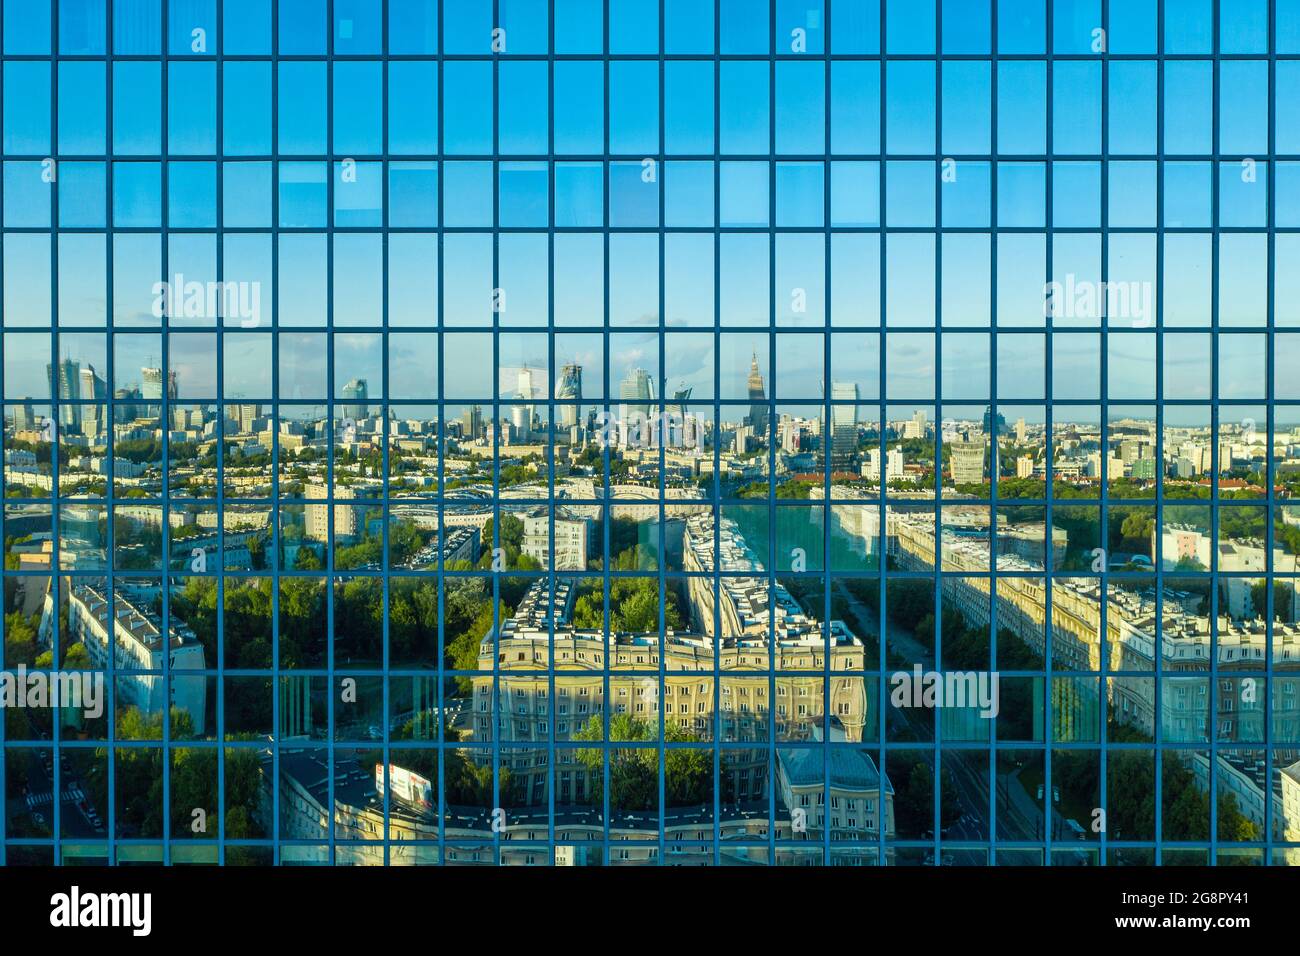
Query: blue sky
<point x="792" y="162"/>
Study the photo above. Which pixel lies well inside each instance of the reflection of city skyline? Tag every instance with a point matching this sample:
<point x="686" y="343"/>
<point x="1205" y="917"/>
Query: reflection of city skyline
<point x="453" y="472"/>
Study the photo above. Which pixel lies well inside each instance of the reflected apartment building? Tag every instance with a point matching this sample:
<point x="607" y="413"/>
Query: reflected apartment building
<point x="517" y="707"/>
<point x="1188" y="709"/>
<point x="140" y="651"/>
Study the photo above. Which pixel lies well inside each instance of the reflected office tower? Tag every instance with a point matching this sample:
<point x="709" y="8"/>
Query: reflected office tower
<point x="93" y="388"/>
<point x="354" y="396"/>
<point x="65" y="385"/>
<point x="246" y="416"/>
<point x="996" y="426"/>
<point x="915" y="427"/>
<point x="151" y="390"/>
<point x="471" y="422"/>
<point x="676" y="432"/>
<point x="757" y="419"/>
<point x="967" y="462"/>
<point x="680" y="397"/>
<point x="844" y="425"/>
<point x="151" y="387"/>
<point x="124" y="407"/>
<point x="569" y="390"/>
<point x="635" y="393"/>
<point x="150" y="383"/>
<point x="521" y="416"/>
<point x="23" y="416"/>
<point x="992" y="427"/>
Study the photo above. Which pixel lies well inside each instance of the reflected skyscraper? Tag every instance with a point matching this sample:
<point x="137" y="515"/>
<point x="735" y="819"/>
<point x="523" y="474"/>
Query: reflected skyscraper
<point x="521" y="416"/>
<point x="569" y="390"/>
<point x="636" y="393"/>
<point x="354" y="396"/>
<point x="151" y="389"/>
<point x="246" y="416"/>
<point x="93" y="389"/>
<point x="65" y="385"/>
<point x="681" y="396"/>
<point x="757" y="418"/>
<point x="472" y="422"/>
<point x="23" y="416"/>
<point x="996" y="426"/>
<point x="844" y="425"/>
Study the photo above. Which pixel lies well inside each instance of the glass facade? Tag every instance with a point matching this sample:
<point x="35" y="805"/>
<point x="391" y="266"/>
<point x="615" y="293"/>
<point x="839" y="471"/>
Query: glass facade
<point x="650" y="432"/>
